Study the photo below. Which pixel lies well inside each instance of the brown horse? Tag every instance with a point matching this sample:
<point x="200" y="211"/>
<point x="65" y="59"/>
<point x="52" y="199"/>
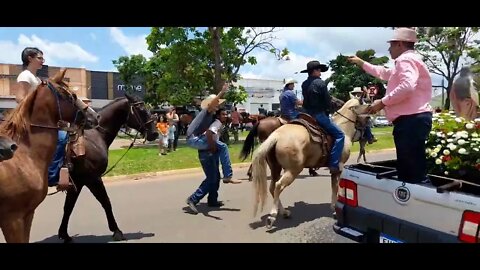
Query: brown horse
<point x="291" y="148"/>
<point x="33" y="125"/>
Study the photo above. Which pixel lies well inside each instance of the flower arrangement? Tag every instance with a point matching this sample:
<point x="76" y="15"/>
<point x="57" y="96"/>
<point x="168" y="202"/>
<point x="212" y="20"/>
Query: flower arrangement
<point x="453" y="147"/>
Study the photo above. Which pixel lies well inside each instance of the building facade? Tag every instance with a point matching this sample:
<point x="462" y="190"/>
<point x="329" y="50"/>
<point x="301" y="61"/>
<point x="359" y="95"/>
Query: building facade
<point x="99" y="87"/>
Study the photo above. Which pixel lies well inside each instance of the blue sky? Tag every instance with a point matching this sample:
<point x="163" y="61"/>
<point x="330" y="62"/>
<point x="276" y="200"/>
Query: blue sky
<point x="95" y="47"/>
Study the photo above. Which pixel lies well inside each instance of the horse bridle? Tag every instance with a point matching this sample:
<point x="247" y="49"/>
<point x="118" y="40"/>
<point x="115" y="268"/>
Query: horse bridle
<point x="63" y="125"/>
<point x="358" y="128"/>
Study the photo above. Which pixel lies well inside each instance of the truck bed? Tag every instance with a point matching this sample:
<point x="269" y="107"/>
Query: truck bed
<point x="385" y="208"/>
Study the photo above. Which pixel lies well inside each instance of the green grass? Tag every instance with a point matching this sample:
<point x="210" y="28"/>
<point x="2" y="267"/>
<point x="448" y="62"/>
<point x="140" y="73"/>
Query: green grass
<point x="146" y="159"/>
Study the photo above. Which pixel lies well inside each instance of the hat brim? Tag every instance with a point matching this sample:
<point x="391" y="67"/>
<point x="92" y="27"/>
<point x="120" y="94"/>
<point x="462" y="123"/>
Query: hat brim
<point x="323" y="68"/>
<point x="206" y="102"/>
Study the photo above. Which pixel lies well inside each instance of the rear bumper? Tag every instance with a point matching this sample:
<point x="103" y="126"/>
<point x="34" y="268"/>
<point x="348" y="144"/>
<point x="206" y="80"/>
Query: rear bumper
<point x="364" y="225"/>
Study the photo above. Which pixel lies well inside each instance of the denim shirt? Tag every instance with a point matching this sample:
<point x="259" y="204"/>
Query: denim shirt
<point x="288" y="101"/>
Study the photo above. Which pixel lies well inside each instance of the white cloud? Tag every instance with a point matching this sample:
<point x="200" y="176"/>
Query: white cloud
<point x="54" y="52"/>
<point x="131" y="44"/>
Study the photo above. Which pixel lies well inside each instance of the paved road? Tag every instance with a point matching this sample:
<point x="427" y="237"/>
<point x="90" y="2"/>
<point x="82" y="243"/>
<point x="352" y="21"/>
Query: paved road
<point x="154" y="210"/>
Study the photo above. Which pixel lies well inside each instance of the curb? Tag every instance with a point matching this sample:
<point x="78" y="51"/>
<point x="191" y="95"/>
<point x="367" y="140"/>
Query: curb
<point x="139" y="176"/>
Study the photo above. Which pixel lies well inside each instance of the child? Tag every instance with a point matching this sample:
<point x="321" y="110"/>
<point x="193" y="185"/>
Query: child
<point x="162" y="127"/>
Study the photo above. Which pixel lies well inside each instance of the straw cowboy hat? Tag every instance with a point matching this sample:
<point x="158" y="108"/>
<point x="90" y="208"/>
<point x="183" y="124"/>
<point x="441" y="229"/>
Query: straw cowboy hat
<point x="404" y="34"/>
<point x="209" y="99"/>
<point x="289" y="81"/>
<point x="315" y="65"/>
<point x="357" y="90"/>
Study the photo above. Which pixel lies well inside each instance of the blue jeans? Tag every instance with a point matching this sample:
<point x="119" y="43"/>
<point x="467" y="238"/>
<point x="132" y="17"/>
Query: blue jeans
<point x="409" y="134"/>
<point x="57" y="162"/>
<point x="368" y="133"/>
<point x="201" y="143"/>
<point x="338" y="136"/>
<point x="211" y="184"/>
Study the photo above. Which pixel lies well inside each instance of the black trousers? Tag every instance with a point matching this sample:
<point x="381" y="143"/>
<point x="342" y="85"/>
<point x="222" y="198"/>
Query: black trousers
<point x="409" y="134"/>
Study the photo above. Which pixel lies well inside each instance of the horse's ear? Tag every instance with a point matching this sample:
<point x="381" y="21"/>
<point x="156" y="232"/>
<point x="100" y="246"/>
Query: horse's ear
<point x="130" y="97"/>
<point x="59" y="76"/>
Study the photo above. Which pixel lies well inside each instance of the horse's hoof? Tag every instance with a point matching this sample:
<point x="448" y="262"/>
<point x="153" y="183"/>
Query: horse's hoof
<point x="66" y="238"/>
<point x="270" y="221"/>
<point x="287" y="214"/>
<point x="118" y="236"/>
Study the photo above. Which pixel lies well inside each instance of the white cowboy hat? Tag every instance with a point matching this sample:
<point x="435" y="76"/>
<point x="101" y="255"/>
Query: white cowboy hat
<point x="209" y="99"/>
<point x="404" y="34"/>
<point x="289" y="81"/>
<point x="357" y="90"/>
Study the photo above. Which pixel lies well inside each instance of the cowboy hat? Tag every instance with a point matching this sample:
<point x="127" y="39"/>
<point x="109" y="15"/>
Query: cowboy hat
<point x="315" y="65"/>
<point x="289" y="81"/>
<point x="209" y="99"/>
<point x="404" y="34"/>
<point x="357" y="90"/>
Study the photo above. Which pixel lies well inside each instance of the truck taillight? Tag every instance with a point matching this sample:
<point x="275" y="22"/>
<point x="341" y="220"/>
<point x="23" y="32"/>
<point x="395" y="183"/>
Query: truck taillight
<point x="347" y="192"/>
<point x="468" y="231"/>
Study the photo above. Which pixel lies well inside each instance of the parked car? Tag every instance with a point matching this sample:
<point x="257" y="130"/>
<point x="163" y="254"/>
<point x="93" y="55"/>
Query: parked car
<point x="381" y="121"/>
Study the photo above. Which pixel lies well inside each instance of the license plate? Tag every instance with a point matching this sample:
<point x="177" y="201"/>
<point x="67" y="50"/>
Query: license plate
<point x="388" y="239"/>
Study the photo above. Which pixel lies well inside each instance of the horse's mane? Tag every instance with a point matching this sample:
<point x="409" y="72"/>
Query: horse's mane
<point x="344" y="109"/>
<point x="111" y="103"/>
<point x="17" y="122"/>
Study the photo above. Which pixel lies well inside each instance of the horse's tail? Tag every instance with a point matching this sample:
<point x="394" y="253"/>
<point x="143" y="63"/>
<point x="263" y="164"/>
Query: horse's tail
<point x="259" y="175"/>
<point x="249" y="143"/>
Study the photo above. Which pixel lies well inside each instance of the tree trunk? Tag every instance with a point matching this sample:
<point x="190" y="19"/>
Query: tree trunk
<point x="447" y="99"/>
<point x="217" y="52"/>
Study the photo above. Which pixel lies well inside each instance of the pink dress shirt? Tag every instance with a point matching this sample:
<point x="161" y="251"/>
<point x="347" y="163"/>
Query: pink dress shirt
<point x="409" y="87"/>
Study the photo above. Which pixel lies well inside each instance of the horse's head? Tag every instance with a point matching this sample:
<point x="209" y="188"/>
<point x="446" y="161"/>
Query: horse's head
<point x="354" y="112"/>
<point x="140" y="118"/>
<point x="80" y="113"/>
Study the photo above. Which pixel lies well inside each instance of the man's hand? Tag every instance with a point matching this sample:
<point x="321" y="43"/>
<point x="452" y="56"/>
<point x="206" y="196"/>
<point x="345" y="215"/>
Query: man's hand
<point x="376" y="106"/>
<point x="225" y="87"/>
<point x="356" y="60"/>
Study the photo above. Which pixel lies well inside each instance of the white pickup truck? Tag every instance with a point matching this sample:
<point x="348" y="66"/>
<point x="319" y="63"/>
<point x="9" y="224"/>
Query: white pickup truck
<point x="374" y="206"/>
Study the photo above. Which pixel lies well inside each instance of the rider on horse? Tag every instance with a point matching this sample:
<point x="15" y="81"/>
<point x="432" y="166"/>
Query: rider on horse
<point x="317" y="103"/>
<point x="289" y="101"/>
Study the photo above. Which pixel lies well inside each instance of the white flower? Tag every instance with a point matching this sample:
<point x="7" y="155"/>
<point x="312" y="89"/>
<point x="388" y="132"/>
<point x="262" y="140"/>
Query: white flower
<point x="458" y="119"/>
<point x="446" y="152"/>
<point x="432" y="132"/>
<point x="452" y="147"/>
<point x="465" y="135"/>
<point x="433" y="154"/>
<point x="476" y="120"/>
<point x="476" y="149"/>
<point x="451" y="112"/>
<point x="438" y="161"/>
<point x="461" y="142"/>
<point x="469" y="126"/>
<point x="440" y="134"/>
<point x="427" y="151"/>
<point x="445" y="172"/>
<point x="435" y="115"/>
<point x="449" y="140"/>
<point x="450" y="133"/>
<point x="443" y="141"/>
<point x="462" y="151"/>
<point x="474" y="135"/>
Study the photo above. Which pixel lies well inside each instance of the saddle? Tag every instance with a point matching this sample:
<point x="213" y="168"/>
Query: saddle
<point x="317" y="135"/>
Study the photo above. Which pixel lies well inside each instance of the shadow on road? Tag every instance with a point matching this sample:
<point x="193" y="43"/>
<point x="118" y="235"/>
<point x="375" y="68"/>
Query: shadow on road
<point x="97" y="238"/>
<point x="205" y="210"/>
<point x="300" y="212"/>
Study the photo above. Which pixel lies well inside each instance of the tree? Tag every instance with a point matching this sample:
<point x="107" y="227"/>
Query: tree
<point x="446" y="49"/>
<point x="192" y="62"/>
<point x="346" y="75"/>
<point x="130" y="68"/>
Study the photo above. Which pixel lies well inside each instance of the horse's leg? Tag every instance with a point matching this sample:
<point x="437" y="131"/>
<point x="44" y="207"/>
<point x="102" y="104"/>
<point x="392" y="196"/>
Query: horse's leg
<point x="334" y="178"/>
<point x="98" y="190"/>
<point x="249" y="173"/>
<point x="287" y="178"/>
<point x="14" y="231"/>
<point x="276" y="170"/>
<point x="28" y="225"/>
<point x="70" y="201"/>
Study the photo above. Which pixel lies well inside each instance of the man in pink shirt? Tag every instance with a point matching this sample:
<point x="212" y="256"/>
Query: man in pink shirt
<point x="406" y="103"/>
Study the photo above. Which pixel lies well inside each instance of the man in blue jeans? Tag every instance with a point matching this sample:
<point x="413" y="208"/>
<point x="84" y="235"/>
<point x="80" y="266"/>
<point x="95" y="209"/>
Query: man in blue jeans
<point x="359" y="93"/>
<point x="317" y="103"/>
<point x="54" y="177"/>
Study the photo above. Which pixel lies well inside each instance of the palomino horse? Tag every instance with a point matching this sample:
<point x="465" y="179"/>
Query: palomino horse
<point x="263" y="128"/>
<point x="291" y="148"/>
<point x="33" y="125"/>
<point x="88" y="170"/>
